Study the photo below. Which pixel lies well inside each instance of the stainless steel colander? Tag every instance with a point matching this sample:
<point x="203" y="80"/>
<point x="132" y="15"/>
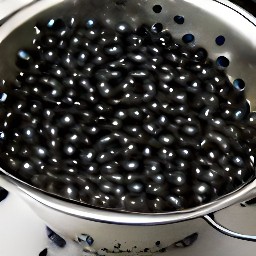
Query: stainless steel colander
<point x="225" y="30"/>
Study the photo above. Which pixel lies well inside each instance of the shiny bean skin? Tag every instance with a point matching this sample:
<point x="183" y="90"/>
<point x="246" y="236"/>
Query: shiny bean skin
<point x="136" y="187"/>
<point x="203" y="191"/>
<point x="157" y="204"/>
<point x="157" y="189"/>
<point x="115" y="178"/>
<point x="70" y="192"/>
<point x="190" y="130"/>
<point x="123" y="28"/>
<point x="136" y="203"/>
<point x="134" y="41"/>
<point x="113" y="50"/>
<point x="166" y="154"/>
<point x="220" y="140"/>
<point x="174" y="202"/>
<point x="252" y="119"/>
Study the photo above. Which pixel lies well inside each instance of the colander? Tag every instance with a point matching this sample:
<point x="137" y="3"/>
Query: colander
<point x="224" y="29"/>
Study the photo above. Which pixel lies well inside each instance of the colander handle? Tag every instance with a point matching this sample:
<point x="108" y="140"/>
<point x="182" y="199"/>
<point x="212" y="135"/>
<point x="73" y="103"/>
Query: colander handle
<point x="212" y="222"/>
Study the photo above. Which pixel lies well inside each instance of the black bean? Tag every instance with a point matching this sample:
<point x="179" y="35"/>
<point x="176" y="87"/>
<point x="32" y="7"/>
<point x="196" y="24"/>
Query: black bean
<point x="152" y="128"/>
<point x="200" y="55"/>
<point x="36" y="107"/>
<point x="157" y="189"/>
<point x="114" y="50"/>
<point x="50" y="56"/>
<point x="174" y="202"/>
<point x="252" y="119"/>
<point x="203" y="191"/>
<point x="136" y="187"/>
<point x="165" y="40"/>
<point x="194" y="86"/>
<point x="25" y="151"/>
<point x="106" y="186"/>
<point x="207" y="71"/>
<point x="123" y="28"/>
<point x="182" y="164"/>
<point x="136" y="203"/>
<point x="66" y="120"/>
<point x="213" y="155"/>
<point x="92" y="34"/>
<point x="158" y="178"/>
<point x="68" y="61"/>
<point x="100" y="199"/>
<point x="105" y="89"/>
<point x="185" y="153"/>
<point x="11" y="162"/>
<point x="81" y="58"/>
<point x="62" y="45"/>
<point x="147" y="151"/>
<point x="113" y="177"/>
<point x="133" y="177"/>
<point x="238" y="161"/>
<point x="218" y="123"/>
<point x="176" y="111"/>
<point x="134" y="41"/>
<point x="131" y="165"/>
<point x="130" y="150"/>
<point x="154" y="106"/>
<point x="152" y="167"/>
<point x="176" y="178"/>
<point x="163" y="120"/>
<point x="104" y="157"/>
<point x="57" y="72"/>
<point x="69" y="150"/>
<point x="190" y="130"/>
<point x="139" y="74"/>
<point x="166" y="139"/>
<point x="241" y="175"/>
<point x="48" y="41"/>
<point x="53" y="86"/>
<point x="206" y="113"/>
<point x="184" y="190"/>
<point x="87" y="155"/>
<point x="70" y="192"/>
<point x="13" y="147"/>
<point x="28" y="134"/>
<point x="27" y="170"/>
<point x="24" y="59"/>
<point x="133" y="130"/>
<point x="40" y="152"/>
<point x="166" y="73"/>
<point x="137" y="57"/>
<point x="157" y="204"/>
<point x="166" y="154"/>
<point x="220" y="140"/>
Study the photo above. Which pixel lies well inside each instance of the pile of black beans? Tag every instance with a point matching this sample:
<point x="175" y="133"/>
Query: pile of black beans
<point x="126" y="118"/>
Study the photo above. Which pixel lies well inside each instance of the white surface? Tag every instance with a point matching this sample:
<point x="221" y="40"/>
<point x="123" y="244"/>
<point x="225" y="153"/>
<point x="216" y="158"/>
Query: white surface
<point x="22" y="233"/>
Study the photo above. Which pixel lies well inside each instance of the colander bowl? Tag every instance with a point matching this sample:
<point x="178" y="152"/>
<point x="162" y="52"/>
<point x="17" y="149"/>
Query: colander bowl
<point x="228" y="34"/>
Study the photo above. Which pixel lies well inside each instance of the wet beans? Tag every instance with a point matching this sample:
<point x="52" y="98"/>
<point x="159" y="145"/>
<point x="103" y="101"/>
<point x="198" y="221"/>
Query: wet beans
<point x="124" y="118"/>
